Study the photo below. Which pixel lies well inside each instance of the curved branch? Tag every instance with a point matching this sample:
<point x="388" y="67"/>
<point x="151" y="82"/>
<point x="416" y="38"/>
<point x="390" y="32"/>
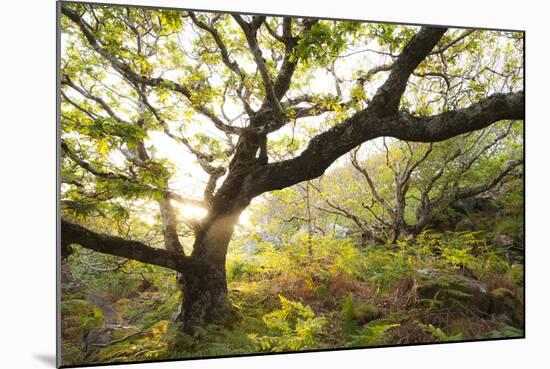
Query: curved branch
<point x="453" y="42"/>
<point x="65" y="80"/>
<point x="284" y="76"/>
<point x="87" y="166"/>
<point x="250" y="32"/>
<point x="388" y="96"/>
<point x="409" y="169"/>
<point x="468" y="164"/>
<point x="90" y="114"/>
<point x="231" y="64"/>
<point x="203" y="159"/>
<point x="117" y="246"/>
<point x="442" y="126"/>
<point x="370" y="182"/>
<point x="471" y="192"/>
<point x="328" y="146"/>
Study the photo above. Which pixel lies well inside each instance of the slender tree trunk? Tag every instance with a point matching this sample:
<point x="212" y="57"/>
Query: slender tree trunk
<point x="399" y="213"/>
<point x="170" y="233"/>
<point x="169" y="226"/>
<point x="424" y="216"/>
<point x="309" y="226"/>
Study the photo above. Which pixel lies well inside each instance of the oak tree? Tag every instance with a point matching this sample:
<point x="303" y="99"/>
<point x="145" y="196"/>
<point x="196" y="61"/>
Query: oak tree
<point x="227" y="88"/>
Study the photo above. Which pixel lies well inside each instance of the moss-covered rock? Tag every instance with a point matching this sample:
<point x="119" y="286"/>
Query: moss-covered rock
<point x="459" y="327"/>
<point x="505" y="302"/>
<point x="364" y="312"/>
<point x="449" y="289"/>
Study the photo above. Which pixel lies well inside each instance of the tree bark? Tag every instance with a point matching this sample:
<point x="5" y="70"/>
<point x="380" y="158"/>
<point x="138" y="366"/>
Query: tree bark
<point x="169" y="226"/>
<point x="398" y="213"/>
<point x="205" y="298"/>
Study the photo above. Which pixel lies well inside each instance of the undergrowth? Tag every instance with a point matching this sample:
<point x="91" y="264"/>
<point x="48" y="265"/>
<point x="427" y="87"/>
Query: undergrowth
<point x="436" y="287"/>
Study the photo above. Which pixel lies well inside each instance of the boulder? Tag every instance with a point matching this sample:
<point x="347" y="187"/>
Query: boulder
<point x="504" y="241"/>
<point x="505" y="302"/>
<point x="340" y="232"/>
<point x="364" y="312"/>
<point x="465" y="224"/>
<point x="475" y="204"/>
<point x="250" y="247"/>
<point x="433" y="284"/>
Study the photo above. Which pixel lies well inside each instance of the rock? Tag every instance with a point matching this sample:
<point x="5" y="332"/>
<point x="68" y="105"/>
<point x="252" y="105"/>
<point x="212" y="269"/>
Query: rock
<point x="177" y="315"/>
<point x="340" y="232"/>
<point x="505" y="302"/>
<point x="486" y="204"/>
<point x="465" y="206"/>
<point x="427" y="272"/>
<point x="504" y="241"/>
<point x="458" y="327"/>
<point x="475" y="204"/>
<point x="465" y="224"/>
<point x="103" y="304"/>
<point x="364" y="312"/>
<point x="70" y="284"/>
<point x="250" y="247"/>
<point x="433" y="284"/>
<point x="268" y="237"/>
<point x="97" y="336"/>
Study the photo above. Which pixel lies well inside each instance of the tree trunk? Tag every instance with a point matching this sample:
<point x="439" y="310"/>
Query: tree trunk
<point x="204" y="282"/>
<point x="398" y="226"/>
<point x="169" y="226"/>
<point x="205" y="298"/>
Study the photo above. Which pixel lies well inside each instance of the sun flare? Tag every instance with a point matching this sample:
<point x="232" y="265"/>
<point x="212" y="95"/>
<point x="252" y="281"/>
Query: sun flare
<point x="191" y="212"/>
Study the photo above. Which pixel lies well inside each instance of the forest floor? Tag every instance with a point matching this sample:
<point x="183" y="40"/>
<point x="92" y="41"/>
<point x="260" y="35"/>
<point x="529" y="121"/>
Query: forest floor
<point x="438" y="288"/>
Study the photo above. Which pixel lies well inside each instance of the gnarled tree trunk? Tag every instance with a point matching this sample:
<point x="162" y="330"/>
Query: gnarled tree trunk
<point x="204" y="282"/>
<point x="205" y="298"/>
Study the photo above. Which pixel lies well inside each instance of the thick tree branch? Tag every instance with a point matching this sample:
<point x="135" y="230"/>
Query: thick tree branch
<point x="284" y="76"/>
<point x="326" y="147"/>
<point x="72" y="233"/>
<point x="388" y="96"/>
<point x="497" y="107"/>
<point x="170" y="226"/>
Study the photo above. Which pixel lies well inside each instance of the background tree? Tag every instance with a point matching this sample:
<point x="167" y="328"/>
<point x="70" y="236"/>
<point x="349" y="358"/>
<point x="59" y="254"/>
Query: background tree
<point x="221" y="86"/>
<point x="406" y="186"/>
